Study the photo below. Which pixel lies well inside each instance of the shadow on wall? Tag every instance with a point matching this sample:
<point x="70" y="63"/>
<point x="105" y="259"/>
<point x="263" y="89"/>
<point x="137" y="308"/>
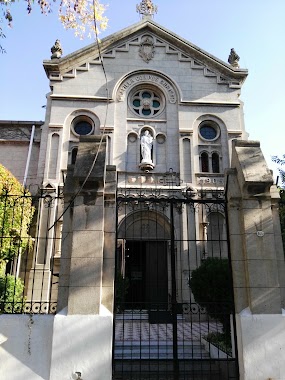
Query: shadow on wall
<point x="26" y="352"/>
<point x="44" y="347"/>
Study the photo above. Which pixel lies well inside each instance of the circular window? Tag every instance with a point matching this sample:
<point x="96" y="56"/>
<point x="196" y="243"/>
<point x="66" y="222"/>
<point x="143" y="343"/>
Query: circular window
<point x="82" y="126"/>
<point x="209" y="131"/>
<point x="146" y="103"/>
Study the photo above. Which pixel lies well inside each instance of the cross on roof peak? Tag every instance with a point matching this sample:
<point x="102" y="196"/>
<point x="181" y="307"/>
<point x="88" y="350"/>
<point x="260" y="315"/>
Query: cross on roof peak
<point x="146" y="8"/>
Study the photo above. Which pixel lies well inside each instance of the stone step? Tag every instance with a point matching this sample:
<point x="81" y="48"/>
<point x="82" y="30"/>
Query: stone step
<point x="158" y="350"/>
<point x="169" y="376"/>
<point x="164" y="370"/>
<point x="159" y="355"/>
<point x="142" y="315"/>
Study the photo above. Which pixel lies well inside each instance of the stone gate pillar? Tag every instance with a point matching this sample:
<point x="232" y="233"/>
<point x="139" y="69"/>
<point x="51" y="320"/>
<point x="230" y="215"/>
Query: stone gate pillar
<point x="83" y="327"/>
<point x="257" y="264"/>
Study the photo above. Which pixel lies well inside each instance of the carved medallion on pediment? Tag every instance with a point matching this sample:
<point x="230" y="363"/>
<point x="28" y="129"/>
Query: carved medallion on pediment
<point x="146" y="50"/>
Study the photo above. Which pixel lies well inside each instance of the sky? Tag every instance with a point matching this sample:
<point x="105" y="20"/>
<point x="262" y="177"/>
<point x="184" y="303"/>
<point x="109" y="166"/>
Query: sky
<point x="255" y="28"/>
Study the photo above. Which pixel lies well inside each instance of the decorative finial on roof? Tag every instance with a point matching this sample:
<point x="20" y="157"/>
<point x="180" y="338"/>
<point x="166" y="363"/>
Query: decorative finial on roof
<point x="233" y="58"/>
<point x="56" y="50"/>
<point x="146" y="9"/>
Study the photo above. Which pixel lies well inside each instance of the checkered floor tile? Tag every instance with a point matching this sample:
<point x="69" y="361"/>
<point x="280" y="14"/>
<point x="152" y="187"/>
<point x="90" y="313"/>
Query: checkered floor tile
<point x="143" y="331"/>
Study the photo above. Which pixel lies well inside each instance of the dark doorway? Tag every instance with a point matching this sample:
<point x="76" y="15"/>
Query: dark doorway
<point x="146" y="269"/>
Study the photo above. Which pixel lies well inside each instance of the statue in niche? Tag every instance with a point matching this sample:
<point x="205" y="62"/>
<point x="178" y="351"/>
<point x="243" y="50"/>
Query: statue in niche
<point x="146" y="146"/>
<point x="146" y="151"/>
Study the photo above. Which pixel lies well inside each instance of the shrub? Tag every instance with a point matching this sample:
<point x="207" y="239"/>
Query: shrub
<point x="211" y="287"/>
<point x="16" y="213"/>
<point x="220" y="340"/>
<point x="11" y="294"/>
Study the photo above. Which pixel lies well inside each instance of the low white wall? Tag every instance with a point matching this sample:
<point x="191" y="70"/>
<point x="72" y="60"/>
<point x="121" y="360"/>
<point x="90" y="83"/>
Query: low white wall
<point x="25" y="346"/>
<point x="82" y="343"/>
<point x="48" y="347"/>
<point x="261" y="346"/>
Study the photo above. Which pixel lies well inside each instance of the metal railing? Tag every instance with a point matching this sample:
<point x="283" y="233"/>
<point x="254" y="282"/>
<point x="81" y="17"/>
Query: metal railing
<point x="29" y="251"/>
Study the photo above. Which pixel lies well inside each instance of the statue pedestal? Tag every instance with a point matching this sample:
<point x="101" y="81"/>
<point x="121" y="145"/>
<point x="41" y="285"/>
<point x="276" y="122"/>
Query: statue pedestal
<point x="146" y="166"/>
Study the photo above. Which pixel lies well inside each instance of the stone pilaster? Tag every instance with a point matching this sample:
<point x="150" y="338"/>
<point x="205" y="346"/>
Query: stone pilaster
<point x="86" y="282"/>
<point x="87" y="268"/>
<point x="257" y="261"/>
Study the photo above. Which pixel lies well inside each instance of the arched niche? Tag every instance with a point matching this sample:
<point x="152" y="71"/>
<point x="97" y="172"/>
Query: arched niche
<point x="53" y="156"/>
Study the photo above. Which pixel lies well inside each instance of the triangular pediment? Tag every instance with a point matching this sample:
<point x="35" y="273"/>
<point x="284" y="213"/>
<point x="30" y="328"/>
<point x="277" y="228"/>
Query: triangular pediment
<point x="122" y="41"/>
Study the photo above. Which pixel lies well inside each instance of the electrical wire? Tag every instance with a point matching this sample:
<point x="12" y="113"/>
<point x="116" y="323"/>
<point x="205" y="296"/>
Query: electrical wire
<point x="104" y="125"/>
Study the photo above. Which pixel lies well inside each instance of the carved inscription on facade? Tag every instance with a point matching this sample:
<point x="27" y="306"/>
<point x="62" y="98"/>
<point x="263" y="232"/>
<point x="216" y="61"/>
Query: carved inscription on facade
<point x="210" y="181"/>
<point x="147" y="78"/>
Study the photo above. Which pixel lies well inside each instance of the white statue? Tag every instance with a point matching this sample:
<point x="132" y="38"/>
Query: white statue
<point x="146" y="147"/>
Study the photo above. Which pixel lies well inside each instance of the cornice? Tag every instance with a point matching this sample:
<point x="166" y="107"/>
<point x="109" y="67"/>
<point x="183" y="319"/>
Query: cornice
<point x="80" y="98"/>
<point x="207" y="103"/>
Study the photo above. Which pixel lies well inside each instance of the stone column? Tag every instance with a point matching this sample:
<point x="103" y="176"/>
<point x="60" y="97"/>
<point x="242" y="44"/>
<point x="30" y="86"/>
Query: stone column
<point x="110" y="226"/>
<point x="257" y="264"/>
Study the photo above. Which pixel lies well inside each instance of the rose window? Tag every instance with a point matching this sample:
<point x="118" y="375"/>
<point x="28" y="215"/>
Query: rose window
<point x="146" y="103"/>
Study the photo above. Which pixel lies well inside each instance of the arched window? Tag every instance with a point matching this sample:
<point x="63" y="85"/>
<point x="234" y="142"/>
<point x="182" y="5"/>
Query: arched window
<point x="215" y="163"/>
<point x="53" y="159"/>
<point x="74" y="155"/>
<point x="205" y="162"/>
<point x="217" y="239"/>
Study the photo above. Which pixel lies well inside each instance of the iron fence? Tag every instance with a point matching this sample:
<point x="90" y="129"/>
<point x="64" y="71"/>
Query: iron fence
<point x="29" y="251"/>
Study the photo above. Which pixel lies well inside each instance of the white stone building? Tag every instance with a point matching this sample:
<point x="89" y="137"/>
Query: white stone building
<point x="138" y="135"/>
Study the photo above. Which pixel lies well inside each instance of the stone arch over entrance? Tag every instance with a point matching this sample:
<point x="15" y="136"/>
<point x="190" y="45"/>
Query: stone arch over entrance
<point x="143" y="258"/>
<point x="145" y="225"/>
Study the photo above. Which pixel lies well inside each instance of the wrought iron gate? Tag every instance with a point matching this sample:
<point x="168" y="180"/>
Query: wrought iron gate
<point x="160" y="330"/>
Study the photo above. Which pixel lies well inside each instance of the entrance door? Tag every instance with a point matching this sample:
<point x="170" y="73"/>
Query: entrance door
<point x="146" y="269"/>
<point x="158" y="334"/>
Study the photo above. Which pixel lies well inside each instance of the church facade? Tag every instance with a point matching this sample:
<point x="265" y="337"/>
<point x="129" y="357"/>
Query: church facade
<point x="131" y="160"/>
<point x="169" y="112"/>
<point x="164" y="105"/>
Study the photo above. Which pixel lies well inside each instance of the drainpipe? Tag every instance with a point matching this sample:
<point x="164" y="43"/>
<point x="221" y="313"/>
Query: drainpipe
<point x="29" y="156"/>
<point x="24" y="184"/>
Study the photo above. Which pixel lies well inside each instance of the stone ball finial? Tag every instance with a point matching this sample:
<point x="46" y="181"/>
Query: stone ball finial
<point x="233" y="58"/>
<point x="56" y="50"/>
